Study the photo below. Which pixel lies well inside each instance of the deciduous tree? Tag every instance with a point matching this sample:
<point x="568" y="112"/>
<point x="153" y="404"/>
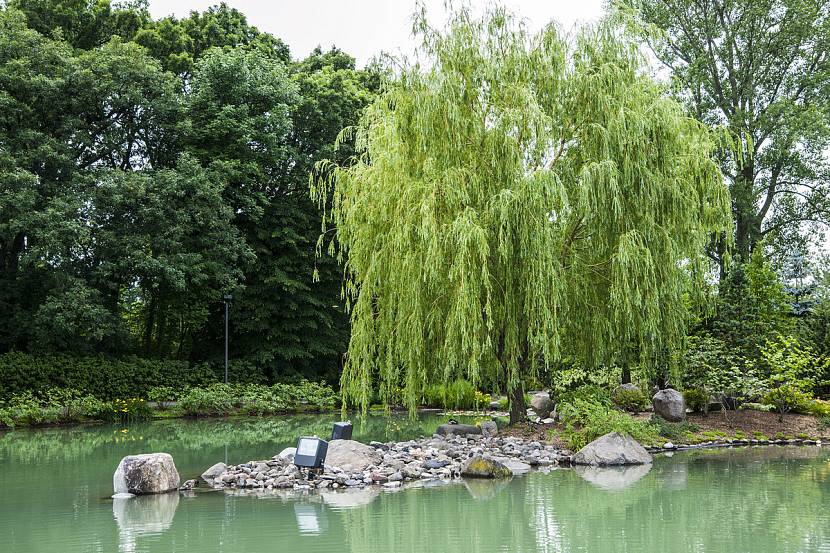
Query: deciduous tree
<point x="514" y="198"/>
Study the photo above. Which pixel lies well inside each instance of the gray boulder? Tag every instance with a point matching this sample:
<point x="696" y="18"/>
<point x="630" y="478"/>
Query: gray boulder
<point x="480" y="466"/>
<point x="541" y="404"/>
<point x="146" y="474"/>
<point x="612" y="449"/>
<point x="214" y="472"/>
<point x="669" y="404"/>
<point x="287" y="454"/>
<point x="629" y="387"/>
<point x="351" y="456"/>
<point x="457" y="429"/>
<point x="489" y="429"/>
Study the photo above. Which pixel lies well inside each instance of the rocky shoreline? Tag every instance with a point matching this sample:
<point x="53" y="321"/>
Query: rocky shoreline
<point x="438" y="458"/>
<point x="351" y="464"/>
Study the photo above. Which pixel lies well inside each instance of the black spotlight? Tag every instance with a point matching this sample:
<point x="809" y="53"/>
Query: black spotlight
<point x="341" y="431"/>
<point x="311" y="452"/>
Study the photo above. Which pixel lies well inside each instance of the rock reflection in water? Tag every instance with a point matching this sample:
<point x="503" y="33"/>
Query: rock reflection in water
<point x="349" y="499"/>
<point x="483" y="489"/>
<point x="612" y="478"/>
<point x="145" y="515"/>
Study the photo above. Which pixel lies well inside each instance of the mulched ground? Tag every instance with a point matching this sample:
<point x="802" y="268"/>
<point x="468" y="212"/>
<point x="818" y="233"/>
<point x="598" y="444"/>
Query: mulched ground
<point x="757" y="421"/>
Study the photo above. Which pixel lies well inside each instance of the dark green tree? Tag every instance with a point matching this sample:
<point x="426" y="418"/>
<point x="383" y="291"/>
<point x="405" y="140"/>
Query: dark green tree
<point x="761" y="69"/>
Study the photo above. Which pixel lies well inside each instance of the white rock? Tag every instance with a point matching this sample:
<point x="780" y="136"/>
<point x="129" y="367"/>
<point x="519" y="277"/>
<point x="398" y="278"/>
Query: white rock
<point x="214" y="472"/>
<point x="146" y="474"/>
<point x="612" y="449"/>
<point x="287" y="453"/>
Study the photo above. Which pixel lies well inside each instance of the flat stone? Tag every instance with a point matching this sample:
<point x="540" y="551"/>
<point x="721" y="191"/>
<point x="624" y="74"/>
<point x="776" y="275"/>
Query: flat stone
<point x="457" y="429"/>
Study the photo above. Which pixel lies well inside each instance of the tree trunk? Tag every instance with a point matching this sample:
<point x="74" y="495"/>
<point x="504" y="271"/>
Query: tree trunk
<point x="518" y="412"/>
<point x="626" y="375"/>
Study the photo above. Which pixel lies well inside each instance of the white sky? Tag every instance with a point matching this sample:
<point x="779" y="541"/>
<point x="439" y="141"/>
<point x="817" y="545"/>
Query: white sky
<point x="365" y="28"/>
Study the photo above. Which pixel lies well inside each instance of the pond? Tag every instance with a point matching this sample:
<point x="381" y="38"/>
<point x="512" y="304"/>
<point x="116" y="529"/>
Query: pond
<point x="55" y="486"/>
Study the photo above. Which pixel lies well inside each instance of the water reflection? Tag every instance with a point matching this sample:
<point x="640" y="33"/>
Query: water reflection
<point x="351" y="498"/>
<point x="311" y="518"/>
<point x="612" y="478"/>
<point x="718" y="501"/>
<point x="143" y="516"/>
<point x="481" y="489"/>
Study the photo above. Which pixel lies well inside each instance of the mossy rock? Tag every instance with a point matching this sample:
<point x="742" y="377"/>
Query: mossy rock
<point x="485" y="467"/>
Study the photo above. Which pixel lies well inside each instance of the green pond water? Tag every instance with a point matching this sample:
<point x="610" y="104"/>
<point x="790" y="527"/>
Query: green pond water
<point x="55" y="486"/>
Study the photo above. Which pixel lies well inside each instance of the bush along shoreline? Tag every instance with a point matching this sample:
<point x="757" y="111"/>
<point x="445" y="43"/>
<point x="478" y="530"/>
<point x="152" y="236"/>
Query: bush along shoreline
<point x="70" y="406"/>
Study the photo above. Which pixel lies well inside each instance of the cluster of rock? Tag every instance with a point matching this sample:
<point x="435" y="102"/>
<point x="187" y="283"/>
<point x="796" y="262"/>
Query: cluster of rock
<point x="352" y="464"/>
<point x="666" y="403"/>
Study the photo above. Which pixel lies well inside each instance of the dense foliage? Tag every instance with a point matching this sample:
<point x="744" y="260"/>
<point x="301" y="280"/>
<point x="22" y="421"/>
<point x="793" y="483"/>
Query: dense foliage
<point x="519" y="212"/>
<point x="148" y="167"/>
<point x="760" y="68"/>
<point x="521" y="197"/>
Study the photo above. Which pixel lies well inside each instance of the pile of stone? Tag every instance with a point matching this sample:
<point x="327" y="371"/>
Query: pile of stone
<point x="351" y="464"/>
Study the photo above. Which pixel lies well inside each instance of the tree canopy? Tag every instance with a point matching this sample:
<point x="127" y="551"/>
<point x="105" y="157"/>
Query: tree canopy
<point x="148" y="167"/>
<point x="760" y="68"/>
<point x="516" y="197"/>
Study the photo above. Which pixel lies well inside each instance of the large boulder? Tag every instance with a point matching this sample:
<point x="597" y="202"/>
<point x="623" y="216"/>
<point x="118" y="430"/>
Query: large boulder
<point x="214" y="472"/>
<point x="612" y="449"/>
<point x="489" y="429"/>
<point x="350" y="455"/>
<point x="480" y="466"/>
<point x="146" y="474"/>
<point x="451" y="429"/>
<point x="669" y="404"/>
<point x="541" y="404"/>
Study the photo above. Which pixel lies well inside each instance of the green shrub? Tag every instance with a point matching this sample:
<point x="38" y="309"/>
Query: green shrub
<point x="756" y="407"/>
<point x="673" y="430"/>
<point x="434" y="395"/>
<point x="129" y="410"/>
<point x="587" y="420"/>
<point x="460" y="394"/>
<point x="816" y="407"/>
<point x="257" y="399"/>
<point x="785" y="398"/>
<point x="161" y="394"/>
<point x="633" y="401"/>
<point x="52" y="407"/>
<point x="214" y="400"/>
<point x="101" y="377"/>
<point x="697" y="400"/>
<point x="589" y="392"/>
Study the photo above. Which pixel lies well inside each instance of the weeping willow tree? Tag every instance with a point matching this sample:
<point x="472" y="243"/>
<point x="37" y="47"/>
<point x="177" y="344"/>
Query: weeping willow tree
<point x="512" y="199"/>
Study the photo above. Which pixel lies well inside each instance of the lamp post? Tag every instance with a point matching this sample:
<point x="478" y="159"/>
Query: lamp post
<point x="228" y="298"/>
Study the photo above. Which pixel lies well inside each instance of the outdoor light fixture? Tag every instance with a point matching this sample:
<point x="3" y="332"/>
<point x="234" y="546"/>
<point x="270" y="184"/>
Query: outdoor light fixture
<point x="342" y="431"/>
<point x="311" y="452"/>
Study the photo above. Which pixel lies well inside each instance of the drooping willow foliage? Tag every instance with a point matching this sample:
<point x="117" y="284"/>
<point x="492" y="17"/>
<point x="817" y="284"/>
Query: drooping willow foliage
<point x="519" y="198"/>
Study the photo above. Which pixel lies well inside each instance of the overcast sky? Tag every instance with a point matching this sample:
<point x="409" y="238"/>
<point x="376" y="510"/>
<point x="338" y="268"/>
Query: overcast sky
<point x="364" y="28"/>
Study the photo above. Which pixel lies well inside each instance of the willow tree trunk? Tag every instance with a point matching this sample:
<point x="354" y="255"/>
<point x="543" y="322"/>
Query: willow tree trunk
<point x="518" y="412"/>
